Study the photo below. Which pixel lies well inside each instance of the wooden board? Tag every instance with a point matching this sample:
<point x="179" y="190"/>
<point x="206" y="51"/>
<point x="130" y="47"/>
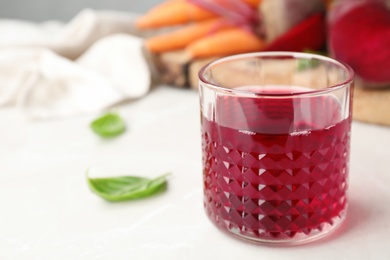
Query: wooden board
<point x="371" y="105"/>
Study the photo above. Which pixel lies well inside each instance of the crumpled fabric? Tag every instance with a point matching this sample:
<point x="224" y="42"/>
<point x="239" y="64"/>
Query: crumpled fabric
<point x="53" y="70"/>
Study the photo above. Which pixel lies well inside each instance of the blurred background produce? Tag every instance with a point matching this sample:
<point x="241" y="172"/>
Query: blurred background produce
<point x="210" y="29"/>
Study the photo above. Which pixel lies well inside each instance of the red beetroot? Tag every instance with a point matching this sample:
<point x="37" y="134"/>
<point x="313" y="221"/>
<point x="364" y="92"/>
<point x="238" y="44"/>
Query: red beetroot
<point x="307" y="35"/>
<point x="279" y="16"/>
<point x="360" y="36"/>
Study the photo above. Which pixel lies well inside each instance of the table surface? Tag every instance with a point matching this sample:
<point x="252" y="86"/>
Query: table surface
<point x="43" y="10"/>
<point x="48" y="211"/>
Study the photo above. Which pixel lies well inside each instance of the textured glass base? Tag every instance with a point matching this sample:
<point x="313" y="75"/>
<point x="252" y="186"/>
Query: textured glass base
<point x="288" y="239"/>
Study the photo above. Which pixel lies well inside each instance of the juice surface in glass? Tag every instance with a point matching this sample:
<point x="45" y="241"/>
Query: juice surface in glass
<point x="276" y="168"/>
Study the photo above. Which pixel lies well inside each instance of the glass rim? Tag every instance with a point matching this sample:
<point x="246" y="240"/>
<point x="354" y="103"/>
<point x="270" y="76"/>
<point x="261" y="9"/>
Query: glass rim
<point x="285" y="54"/>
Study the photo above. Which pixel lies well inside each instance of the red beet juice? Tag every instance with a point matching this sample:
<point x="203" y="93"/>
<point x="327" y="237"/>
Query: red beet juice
<point x="276" y="168"/>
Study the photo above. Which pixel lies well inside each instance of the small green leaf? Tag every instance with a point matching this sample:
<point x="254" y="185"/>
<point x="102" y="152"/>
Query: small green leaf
<point x="127" y="187"/>
<point x="305" y="64"/>
<point x="108" y="125"/>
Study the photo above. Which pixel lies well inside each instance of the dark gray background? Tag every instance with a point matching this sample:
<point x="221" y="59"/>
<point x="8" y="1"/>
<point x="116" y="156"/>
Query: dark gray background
<point x="64" y="10"/>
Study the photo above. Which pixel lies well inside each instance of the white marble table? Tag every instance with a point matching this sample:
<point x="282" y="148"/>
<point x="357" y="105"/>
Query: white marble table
<point x="48" y="212"/>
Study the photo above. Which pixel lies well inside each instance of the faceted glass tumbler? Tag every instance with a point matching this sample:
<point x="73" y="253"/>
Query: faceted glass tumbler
<point x="275" y="145"/>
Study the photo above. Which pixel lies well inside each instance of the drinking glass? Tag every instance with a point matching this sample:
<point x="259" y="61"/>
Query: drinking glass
<point x="275" y="145"/>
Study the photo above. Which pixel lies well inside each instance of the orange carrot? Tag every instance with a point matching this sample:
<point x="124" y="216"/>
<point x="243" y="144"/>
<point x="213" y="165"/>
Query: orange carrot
<point x="172" y="13"/>
<point x="176" y="12"/>
<point x="226" y="42"/>
<point x="253" y="3"/>
<point x="182" y="37"/>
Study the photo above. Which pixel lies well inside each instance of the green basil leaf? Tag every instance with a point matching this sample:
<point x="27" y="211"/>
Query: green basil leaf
<point x="307" y="64"/>
<point x="108" y="125"/>
<point x="127" y="187"/>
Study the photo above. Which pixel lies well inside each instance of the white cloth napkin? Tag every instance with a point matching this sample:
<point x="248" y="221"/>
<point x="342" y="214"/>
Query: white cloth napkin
<point x="54" y="70"/>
